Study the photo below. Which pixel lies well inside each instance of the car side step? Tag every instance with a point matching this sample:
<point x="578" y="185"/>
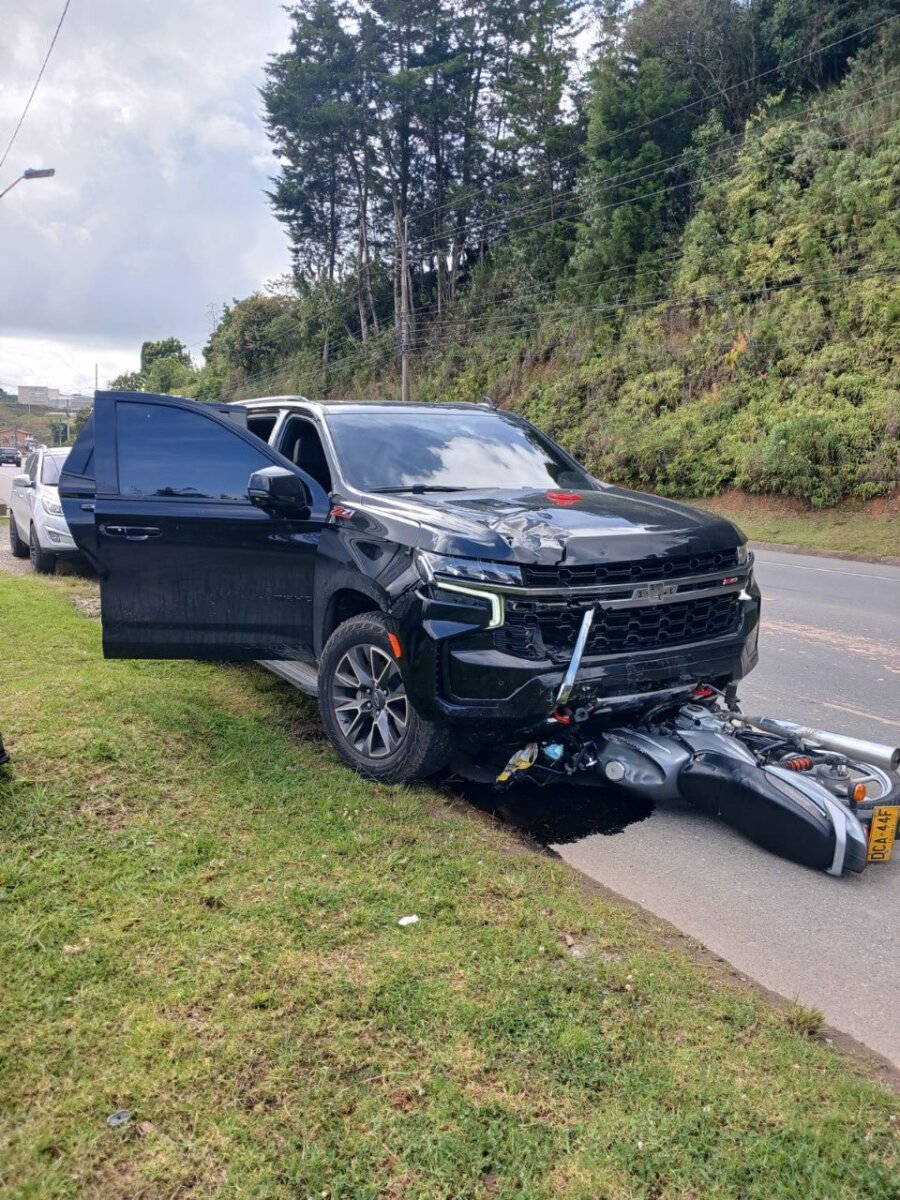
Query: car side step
<point x="301" y="674"/>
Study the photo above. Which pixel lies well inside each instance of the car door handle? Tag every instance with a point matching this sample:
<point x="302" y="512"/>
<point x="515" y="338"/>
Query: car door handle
<point x="131" y="533"/>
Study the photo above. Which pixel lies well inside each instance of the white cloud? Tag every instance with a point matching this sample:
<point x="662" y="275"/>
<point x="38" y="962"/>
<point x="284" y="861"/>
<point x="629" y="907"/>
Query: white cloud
<point x="68" y="365"/>
<point x="149" y="113"/>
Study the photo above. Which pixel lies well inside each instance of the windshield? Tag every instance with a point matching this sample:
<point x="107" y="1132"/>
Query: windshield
<point x="50" y="470"/>
<point x="397" y="451"/>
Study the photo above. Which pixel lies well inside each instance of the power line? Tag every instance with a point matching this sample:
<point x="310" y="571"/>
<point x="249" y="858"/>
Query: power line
<point x="745" y="294"/>
<point x="638" y="174"/>
<point x="742" y="293"/>
<point x="593" y="210"/>
<point x="458" y="324"/>
<point x="632" y="177"/>
<point x="591" y="278"/>
<point x="675" y="111"/>
<point x="36" y="82"/>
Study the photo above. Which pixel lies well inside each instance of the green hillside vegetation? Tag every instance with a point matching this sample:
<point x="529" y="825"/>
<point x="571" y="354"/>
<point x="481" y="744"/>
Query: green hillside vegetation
<point x="38" y="422"/>
<point x="683" y="263"/>
<point x="793" y="390"/>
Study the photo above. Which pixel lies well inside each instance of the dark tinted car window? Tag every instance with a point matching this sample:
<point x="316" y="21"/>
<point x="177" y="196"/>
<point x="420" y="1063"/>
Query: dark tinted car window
<point x="170" y="452"/>
<point x="81" y="456"/>
<point x="50" y="470"/>
<point x="481" y="449"/>
<point x="262" y="424"/>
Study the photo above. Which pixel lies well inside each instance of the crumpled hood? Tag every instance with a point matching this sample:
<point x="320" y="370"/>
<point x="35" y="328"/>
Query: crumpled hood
<point x="610" y="524"/>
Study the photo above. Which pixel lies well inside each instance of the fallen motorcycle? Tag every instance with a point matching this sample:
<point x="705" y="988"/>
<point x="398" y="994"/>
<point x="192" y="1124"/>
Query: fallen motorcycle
<point x="821" y="799"/>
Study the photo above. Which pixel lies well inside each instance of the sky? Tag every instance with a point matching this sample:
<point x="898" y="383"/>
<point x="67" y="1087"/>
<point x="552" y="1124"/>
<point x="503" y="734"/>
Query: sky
<point x="149" y="112"/>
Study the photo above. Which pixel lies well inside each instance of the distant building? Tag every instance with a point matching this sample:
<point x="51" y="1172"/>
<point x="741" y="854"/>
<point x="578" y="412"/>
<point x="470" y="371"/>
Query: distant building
<point x="37" y="397"/>
<point x="72" y="403"/>
<point x="51" y="398"/>
<point x="15" y="437"/>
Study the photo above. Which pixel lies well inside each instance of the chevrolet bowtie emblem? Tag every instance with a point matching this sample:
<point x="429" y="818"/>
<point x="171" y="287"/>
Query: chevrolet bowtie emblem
<point x="655" y="591"/>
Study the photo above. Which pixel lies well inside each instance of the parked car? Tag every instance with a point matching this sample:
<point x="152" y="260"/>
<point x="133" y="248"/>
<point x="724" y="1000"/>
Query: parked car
<point x="428" y="565"/>
<point x="37" y="526"/>
<point x="10" y="457"/>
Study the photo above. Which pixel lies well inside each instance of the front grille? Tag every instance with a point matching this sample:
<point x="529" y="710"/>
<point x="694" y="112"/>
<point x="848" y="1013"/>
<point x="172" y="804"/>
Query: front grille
<point x="537" y="630"/>
<point x="564" y="575"/>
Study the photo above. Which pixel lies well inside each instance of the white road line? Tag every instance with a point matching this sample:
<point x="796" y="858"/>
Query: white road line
<point x="858" y="712"/>
<point x="826" y="570"/>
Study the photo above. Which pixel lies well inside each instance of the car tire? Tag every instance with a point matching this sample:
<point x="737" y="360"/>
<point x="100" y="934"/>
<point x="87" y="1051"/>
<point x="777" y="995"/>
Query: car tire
<point x="387" y="740"/>
<point x="17" y="546"/>
<point x="43" y="562"/>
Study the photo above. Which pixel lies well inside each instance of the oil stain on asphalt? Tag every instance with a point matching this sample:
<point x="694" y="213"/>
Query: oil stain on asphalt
<point x="557" y="813"/>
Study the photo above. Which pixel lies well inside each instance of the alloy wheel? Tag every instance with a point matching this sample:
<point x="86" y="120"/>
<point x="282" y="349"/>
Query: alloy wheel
<point x="369" y="701"/>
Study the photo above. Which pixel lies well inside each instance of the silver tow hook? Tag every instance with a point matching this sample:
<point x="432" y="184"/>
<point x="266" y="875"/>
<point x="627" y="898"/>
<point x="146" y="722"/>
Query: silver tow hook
<point x="565" y="690"/>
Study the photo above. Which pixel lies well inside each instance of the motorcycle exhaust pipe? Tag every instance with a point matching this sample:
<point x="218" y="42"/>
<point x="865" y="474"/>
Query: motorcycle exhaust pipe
<point x="886" y="757"/>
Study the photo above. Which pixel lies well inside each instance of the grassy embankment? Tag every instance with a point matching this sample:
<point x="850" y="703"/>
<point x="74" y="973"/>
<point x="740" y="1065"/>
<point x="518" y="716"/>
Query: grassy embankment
<point x="199" y="915"/>
<point x="868" y="530"/>
<point x="37" y="422"/>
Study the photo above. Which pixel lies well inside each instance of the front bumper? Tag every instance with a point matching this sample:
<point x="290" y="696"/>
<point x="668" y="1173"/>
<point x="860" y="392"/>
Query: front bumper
<point x="455" y="672"/>
<point x="54" y="536"/>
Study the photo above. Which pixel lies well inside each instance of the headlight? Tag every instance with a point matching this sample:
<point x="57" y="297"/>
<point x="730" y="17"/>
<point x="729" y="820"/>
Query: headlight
<point x="475" y="570"/>
<point x="51" y="506"/>
<point x="743" y="555"/>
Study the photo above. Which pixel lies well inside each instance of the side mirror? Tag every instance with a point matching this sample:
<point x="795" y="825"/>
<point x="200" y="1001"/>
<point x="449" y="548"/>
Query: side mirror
<point x="277" y="489"/>
<point x="22" y="481"/>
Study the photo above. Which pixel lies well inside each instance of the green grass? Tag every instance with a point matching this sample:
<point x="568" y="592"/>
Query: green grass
<point x="198" y="916"/>
<point x="840" y="530"/>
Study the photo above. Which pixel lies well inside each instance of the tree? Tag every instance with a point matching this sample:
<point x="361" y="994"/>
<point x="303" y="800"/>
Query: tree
<point x="169" y="347"/>
<point x="81" y="419"/>
<point x="169" y="374"/>
<point x="166" y="367"/>
<point x="254" y="335"/>
<point x="797" y="30"/>
<point x="128" y="381"/>
<point x="392" y="122"/>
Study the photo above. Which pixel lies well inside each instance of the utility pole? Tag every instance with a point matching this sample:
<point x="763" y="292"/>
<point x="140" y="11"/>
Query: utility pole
<point x="404" y="313"/>
<point x="96" y="377"/>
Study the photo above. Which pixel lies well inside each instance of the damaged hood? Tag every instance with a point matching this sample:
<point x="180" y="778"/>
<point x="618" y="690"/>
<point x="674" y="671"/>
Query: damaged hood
<point x="526" y="526"/>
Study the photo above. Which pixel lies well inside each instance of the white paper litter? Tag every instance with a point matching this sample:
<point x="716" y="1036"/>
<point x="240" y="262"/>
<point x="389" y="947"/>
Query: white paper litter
<point x="408" y="920"/>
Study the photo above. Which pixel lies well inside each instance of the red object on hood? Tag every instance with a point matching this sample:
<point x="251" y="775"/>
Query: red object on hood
<point x="563" y="499"/>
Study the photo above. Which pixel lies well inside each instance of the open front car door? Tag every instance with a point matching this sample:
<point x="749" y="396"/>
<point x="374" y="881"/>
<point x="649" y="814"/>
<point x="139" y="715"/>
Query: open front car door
<point x="204" y="537"/>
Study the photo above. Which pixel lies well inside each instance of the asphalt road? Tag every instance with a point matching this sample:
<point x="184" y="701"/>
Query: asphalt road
<point x="830" y="656"/>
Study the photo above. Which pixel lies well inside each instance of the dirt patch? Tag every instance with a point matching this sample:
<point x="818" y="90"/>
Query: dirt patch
<point x="12" y="566"/>
<point x="22" y="566"/>
<point x="741" y="502"/>
<point x="787" y="506"/>
<point x="859" y="532"/>
<point x="88" y="606"/>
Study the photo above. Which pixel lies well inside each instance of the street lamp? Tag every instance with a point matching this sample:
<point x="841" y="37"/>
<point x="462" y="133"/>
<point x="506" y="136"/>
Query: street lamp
<point x="30" y="173"/>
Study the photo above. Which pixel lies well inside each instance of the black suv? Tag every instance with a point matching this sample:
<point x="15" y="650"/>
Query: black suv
<point x="424" y="569"/>
<point x="10" y="457"/>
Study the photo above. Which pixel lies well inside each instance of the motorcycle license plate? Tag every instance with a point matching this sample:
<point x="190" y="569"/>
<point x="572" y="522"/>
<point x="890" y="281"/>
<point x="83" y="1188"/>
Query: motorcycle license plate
<point x="882" y="832"/>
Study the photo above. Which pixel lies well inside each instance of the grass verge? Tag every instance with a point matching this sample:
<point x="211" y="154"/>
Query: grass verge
<point x="871" y="530"/>
<point x="199" y="914"/>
